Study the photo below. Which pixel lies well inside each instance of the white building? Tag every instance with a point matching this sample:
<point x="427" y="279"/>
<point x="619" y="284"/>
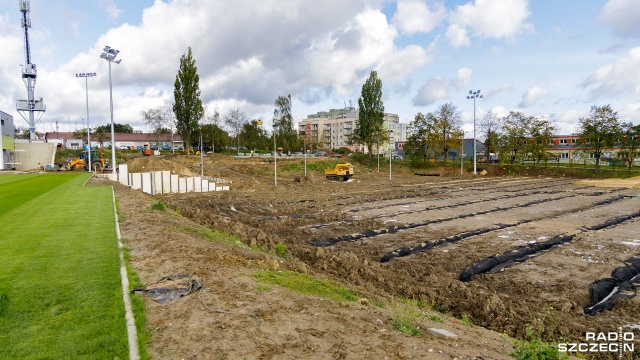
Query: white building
<point x="332" y="129"/>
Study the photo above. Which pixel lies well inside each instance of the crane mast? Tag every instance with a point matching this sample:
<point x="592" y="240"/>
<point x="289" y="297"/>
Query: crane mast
<point x="28" y="108"/>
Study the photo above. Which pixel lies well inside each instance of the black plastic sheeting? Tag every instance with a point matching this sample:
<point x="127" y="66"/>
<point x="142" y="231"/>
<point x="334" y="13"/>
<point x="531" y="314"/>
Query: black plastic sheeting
<point x="519" y="254"/>
<point x="405" y="251"/>
<point x="396" y="228"/>
<point x="494" y="264"/>
<point x="171" y="288"/>
<point x="621" y="285"/>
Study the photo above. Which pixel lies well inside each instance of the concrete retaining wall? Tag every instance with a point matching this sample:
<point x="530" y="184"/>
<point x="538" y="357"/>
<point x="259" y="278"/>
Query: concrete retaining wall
<point x="163" y="182"/>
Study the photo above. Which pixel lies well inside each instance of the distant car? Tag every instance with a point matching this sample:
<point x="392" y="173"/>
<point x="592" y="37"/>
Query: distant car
<point x="178" y="147"/>
<point x="123" y="147"/>
<point x="397" y="157"/>
<point x="166" y="147"/>
<point x="140" y="147"/>
<point x="154" y="147"/>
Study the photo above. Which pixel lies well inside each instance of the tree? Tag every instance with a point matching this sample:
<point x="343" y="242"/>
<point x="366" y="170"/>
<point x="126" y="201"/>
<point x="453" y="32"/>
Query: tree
<point x="446" y="128"/>
<point x="419" y="145"/>
<point x="599" y="131"/>
<point x="100" y="135"/>
<point x="187" y="105"/>
<point x="236" y="120"/>
<point x="541" y="132"/>
<point x="629" y="143"/>
<point x="283" y="124"/>
<point x="369" y="129"/>
<point x="254" y="136"/>
<point x="156" y="118"/>
<point x="514" y="135"/>
<point x="214" y="121"/>
<point x="117" y="128"/>
<point x="490" y="130"/>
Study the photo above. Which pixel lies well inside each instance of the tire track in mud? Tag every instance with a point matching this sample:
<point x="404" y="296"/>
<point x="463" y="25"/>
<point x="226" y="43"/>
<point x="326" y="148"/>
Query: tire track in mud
<point x="428" y="245"/>
<point x="494" y="264"/>
<point x="396" y="228"/>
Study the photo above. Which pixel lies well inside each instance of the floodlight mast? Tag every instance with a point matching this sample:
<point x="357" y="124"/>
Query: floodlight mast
<point x="86" y="77"/>
<point x="110" y="54"/>
<point x="474" y="95"/>
<point x="29" y="74"/>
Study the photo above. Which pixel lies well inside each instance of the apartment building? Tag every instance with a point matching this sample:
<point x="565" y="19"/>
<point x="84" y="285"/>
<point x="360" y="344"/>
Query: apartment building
<point x="332" y="129"/>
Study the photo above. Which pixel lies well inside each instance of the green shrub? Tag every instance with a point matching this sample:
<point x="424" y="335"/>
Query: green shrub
<point x="159" y="205"/>
<point x="281" y="250"/>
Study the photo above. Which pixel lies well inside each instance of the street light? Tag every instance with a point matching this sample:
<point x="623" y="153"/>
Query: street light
<point x="390" y="153"/>
<point x="473" y="95"/>
<point x="86" y="77"/>
<point x="110" y="54"/>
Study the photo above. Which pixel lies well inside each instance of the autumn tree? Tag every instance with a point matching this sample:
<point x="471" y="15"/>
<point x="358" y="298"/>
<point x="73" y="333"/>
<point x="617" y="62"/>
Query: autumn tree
<point x="489" y="130"/>
<point x="629" y="143"/>
<point x="187" y="105"/>
<point x="514" y="137"/>
<point x="599" y="131"/>
<point x="419" y="145"/>
<point x="369" y="128"/>
<point x="446" y="128"/>
<point x="540" y="130"/>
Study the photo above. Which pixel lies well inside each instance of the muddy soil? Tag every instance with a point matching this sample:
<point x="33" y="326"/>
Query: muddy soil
<point x="342" y="231"/>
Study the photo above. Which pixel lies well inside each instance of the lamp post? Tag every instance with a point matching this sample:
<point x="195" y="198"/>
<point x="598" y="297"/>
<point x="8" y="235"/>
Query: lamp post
<point x="110" y="54"/>
<point x="474" y="95"/>
<point x="86" y="77"/>
<point x="390" y="153"/>
<point x="275" y="153"/>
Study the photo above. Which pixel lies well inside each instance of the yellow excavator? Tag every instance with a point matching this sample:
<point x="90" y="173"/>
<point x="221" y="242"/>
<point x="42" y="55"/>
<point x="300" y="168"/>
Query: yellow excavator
<point x="342" y="172"/>
<point x="97" y="161"/>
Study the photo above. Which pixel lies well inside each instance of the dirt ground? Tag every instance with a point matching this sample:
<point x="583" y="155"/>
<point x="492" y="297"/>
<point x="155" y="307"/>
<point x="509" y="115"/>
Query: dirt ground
<point x="342" y="230"/>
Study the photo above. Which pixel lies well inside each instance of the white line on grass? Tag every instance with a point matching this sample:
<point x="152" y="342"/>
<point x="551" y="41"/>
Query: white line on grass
<point x="132" y="335"/>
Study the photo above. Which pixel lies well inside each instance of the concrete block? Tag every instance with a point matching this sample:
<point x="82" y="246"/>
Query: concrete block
<point x="218" y="188"/>
<point x="182" y="185"/>
<point x="189" y="184"/>
<point x="166" y="182"/>
<point x="225" y="188"/>
<point x="123" y="174"/>
<point x="136" y="181"/>
<point x="157" y="182"/>
<point x="197" y="184"/>
<point x="442" y="333"/>
<point x="146" y="182"/>
<point x="174" y="183"/>
<point x="205" y="185"/>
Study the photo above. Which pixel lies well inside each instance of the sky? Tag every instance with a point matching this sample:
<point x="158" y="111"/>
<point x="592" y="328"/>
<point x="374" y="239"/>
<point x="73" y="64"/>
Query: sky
<point x="539" y="57"/>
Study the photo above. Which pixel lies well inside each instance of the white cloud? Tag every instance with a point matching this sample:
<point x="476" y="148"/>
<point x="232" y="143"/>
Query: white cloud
<point x="532" y="96"/>
<point x="110" y="8"/>
<point x="499" y="89"/>
<point x="415" y="16"/>
<point x="457" y="36"/>
<point x="623" y="16"/>
<point x="403" y="62"/>
<point x="498" y="19"/>
<point x="439" y="88"/>
<point x="617" y="78"/>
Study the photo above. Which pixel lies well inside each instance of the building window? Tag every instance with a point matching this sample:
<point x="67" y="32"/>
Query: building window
<point x="3" y="122"/>
<point x="563" y="141"/>
<point x="564" y="155"/>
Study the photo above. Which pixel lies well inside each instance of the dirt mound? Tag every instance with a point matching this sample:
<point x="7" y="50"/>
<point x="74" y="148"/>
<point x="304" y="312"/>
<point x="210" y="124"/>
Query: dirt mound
<point x="157" y="163"/>
<point x="632" y="183"/>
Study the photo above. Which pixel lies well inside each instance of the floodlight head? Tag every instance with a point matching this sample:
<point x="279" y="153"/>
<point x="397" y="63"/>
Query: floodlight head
<point x="468" y="97"/>
<point x="478" y="92"/>
<point x="114" y="52"/>
<point x="104" y="56"/>
<point x="106" y="48"/>
<point x="118" y="62"/>
<point x="470" y="92"/>
<point x="480" y="96"/>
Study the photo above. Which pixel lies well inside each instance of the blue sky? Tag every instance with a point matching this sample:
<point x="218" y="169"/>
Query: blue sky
<point x="539" y="57"/>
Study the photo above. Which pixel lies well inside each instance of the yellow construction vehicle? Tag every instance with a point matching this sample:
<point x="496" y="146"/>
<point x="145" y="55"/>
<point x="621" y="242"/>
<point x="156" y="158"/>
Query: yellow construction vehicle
<point x="97" y="162"/>
<point x="342" y="172"/>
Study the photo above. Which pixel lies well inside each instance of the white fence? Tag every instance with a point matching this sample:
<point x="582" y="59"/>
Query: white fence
<point x="163" y="182"/>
